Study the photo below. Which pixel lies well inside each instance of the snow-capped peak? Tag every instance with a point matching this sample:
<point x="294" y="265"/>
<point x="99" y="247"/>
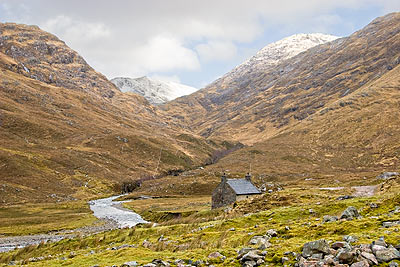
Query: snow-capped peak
<point x="279" y="51"/>
<point x="156" y="91"/>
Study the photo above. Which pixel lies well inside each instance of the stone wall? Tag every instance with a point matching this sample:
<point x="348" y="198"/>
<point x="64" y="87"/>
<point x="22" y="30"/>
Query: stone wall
<point x="223" y="195"/>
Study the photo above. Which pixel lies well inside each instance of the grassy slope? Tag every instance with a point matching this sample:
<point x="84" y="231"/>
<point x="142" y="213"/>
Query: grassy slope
<point x="187" y="242"/>
<point x="76" y="134"/>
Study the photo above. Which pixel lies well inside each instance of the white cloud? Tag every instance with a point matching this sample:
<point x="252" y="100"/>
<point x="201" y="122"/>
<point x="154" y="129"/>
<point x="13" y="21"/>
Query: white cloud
<point x="216" y="50"/>
<point x="162" y="53"/>
<point x="75" y="30"/>
<point x="173" y="78"/>
<point x="134" y="37"/>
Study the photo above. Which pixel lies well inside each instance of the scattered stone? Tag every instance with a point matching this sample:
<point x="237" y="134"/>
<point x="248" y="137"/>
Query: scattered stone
<point x="390" y="224"/>
<point x="350" y="213"/>
<point x="160" y="263"/>
<point x="373" y="205"/>
<point x="344" y="197"/>
<point x="393" y="264"/>
<point x="146" y="244"/>
<point x="130" y="264"/>
<point x="262" y="241"/>
<point x="272" y="233"/>
<point x="328" y="218"/>
<point x="217" y="256"/>
<point x="314" y="247"/>
<point x="284" y="259"/>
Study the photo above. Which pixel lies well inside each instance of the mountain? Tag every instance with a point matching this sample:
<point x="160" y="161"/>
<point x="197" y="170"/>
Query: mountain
<point x="154" y="90"/>
<point x="327" y="114"/>
<point x="67" y="132"/>
<point x="260" y="103"/>
<point x="277" y="52"/>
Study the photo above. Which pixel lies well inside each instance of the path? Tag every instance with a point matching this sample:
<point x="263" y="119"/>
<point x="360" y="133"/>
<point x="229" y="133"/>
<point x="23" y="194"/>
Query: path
<point x="360" y="191"/>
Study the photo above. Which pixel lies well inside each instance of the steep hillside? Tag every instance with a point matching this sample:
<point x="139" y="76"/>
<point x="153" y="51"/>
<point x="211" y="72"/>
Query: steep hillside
<point x="353" y="139"/>
<point x="67" y="132"/>
<point x="260" y="103"/>
<point x="154" y="90"/>
<point x="274" y="54"/>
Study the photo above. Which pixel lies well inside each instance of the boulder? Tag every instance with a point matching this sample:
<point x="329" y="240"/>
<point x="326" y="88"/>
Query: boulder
<point x="350" y="213"/>
<point x="130" y="264"/>
<point x="328" y="218"/>
<point x="363" y="263"/>
<point x="272" y="233"/>
<point x="338" y="245"/>
<point x="314" y="247"/>
<point x="345" y="256"/>
<point x="217" y="256"/>
<point x="387" y="254"/>
<point x="160" y="263"/>
<point x="370" y="258"/>
<point x="387" y="175"/>
<point x="251" y="256"/>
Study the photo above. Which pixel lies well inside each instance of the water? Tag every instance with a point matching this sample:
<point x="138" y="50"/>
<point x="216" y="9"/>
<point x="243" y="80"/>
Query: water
<point x="107" y="208"/>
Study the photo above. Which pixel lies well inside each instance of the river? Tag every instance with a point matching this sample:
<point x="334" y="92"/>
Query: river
<point x="105" y="209"/>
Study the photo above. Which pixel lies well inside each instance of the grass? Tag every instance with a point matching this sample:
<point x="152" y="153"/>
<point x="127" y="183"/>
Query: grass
<point x="42" y="218"/>
<point x="162" y="209"/>
<point x="225" y="232"/>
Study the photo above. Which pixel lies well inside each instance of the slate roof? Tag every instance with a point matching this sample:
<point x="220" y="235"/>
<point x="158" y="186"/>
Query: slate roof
<point x="242" y="187"/>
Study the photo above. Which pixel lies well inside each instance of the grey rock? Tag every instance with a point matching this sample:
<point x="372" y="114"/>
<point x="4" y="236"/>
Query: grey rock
<point x="243" y="251"/>
<point x="350" y="213"/>
<point x="328" y="218"/>
<point x="376" y="248"/>
<point x="216" y="255"/>
<point x="387" y="175"/>
<point x="160" y="263"/>
<point x="272" y="232"/>
<point x="130" y="264"/>
<point x="345" y="256"/>
<point x="338" y="245"/>
<point x="249" y="264"/>
<point x="363" y="263"/>
<point x="390" y="224"/>
<point x="317" y="256"/>
<point x="350" y="239"/>
<point x="387" y="254"/>
<point x="284" y="259"/>
<point x="262" y="241"/>
<point x="251" y="256"/>
<point x="393" y="264"/>
<point x="370" y="258"/>
<point x="344" y="197"/>
<point x="380" y="242"/>
<point x="318" y="246"/>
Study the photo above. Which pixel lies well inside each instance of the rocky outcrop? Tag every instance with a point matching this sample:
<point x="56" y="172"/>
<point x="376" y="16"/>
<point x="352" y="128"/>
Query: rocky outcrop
<point x="319" y="253"/>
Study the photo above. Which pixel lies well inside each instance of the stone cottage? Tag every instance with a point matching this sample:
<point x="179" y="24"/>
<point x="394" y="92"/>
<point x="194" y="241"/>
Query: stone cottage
<point x="231" y="190"/>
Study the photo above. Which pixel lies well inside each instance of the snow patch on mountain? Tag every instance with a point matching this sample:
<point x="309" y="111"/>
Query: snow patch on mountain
<point x="154" y="90"/>
<point x="279" y="51"/>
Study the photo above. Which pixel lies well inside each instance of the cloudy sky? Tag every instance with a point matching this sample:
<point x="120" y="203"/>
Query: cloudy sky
<point x="190" y="41"/>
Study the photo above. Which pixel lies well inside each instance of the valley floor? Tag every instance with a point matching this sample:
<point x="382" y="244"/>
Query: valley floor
<point x="296" y="215"/>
